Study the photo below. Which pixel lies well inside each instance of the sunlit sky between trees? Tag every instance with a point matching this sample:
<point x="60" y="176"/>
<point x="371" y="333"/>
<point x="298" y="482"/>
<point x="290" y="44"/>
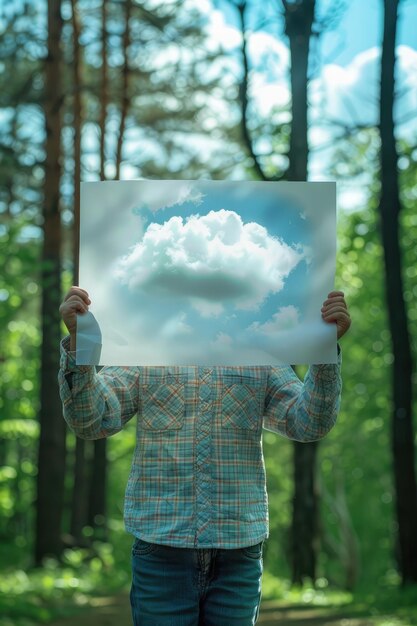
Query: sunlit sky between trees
<point x="343" y="88"/>
<point x="345" y="80"/>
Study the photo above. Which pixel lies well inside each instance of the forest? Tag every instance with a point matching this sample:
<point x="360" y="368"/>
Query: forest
<point x="225" y="90"/>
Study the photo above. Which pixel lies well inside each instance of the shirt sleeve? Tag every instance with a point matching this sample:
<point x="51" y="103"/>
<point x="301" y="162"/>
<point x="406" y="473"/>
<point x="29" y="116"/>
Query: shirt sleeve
<point x="303" y="411"/>
<point x="96" y="404"/>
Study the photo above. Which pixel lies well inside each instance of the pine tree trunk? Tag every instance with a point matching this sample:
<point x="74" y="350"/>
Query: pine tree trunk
<point x="52" y="449"/>
<point x="104" y="96"/>
<point x="125" y="89"/>
<point x="299" y="18"/>
<point x="304" y="535"/>
<point x="79" y="507"/>
<point x="390" y="207"/>
<point x="80" y="493"/>
<point x="98" y="493"/>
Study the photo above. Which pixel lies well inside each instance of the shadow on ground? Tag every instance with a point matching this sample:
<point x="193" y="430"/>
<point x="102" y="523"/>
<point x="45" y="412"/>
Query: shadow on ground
<point x="115" y="611"/>
<point x="274" y="613"/>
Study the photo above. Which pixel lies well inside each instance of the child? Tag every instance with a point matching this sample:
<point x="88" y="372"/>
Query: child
<point x="196" y="499"/>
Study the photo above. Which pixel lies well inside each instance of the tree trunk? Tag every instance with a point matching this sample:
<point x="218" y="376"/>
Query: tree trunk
<point x="52" y="450"/>
<point x="103" y="91"/>
<point x="80" y="494"/>
<point x="390" y="207"/>
<point x="98" y="492"/>
<point x="243" y="95"/>
<point x="77" y="124"/>
<point x="79" y="508"/>
<point x="304" y="535"/>
<point x="97" y="495"/>
<point x="299" y="18"/>
<point x="125" y="89"/>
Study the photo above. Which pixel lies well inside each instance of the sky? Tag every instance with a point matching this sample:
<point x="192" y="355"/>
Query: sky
<point x="361" y="29"/>
<point x="209" y="272"/>
<point x="345" y="85"/>
<point x="344" y="88"/>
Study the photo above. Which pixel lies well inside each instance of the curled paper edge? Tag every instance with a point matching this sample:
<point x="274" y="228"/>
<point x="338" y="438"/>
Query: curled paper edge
<point x="88" y="340"/>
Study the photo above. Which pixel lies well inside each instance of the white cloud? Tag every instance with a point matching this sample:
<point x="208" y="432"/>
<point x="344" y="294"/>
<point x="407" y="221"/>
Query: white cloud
<point x="176" y="326"/>
<point x="207" y="309"/>
<point x="350" y="94"/>
<point x="222" y="341"/>
<point x="210" y="260"/>
<point x="286" y="318"/>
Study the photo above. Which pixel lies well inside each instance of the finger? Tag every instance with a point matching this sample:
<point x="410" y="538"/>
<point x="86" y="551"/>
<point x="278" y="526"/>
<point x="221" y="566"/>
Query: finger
<point x="335" y="310"/>
<point x="74" y="303"/>
<point x="338" y="298"/>
<point x="77" y="291"/>
<point x="335" y="293"/>
<point x="335" y="302"/>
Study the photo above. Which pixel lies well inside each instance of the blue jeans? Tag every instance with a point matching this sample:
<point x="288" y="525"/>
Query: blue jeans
<point x="195" y="587"/>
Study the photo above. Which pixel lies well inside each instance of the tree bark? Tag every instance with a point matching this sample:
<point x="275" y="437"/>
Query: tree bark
<point x="390" y="208"/>
<point x="80" y="494"/>
<point x="79" y="506"/>
<point x="243" y="95"/>
<point x="299" y="19"/>
<point x="104" y="96"/>
<point x="97" y="502"/>
<point x="52" y="450"/>
<point x="125" y="89"/>
<point x="77" y="125"/>
<point x="97" y="495"/>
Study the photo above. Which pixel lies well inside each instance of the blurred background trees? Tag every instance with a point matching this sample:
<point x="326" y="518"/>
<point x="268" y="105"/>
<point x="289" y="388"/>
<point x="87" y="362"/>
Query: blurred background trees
<point x="109" y="89"/>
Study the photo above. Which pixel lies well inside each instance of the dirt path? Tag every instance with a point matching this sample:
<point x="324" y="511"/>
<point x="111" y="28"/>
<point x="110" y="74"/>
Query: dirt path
<point x="115" y="611"/>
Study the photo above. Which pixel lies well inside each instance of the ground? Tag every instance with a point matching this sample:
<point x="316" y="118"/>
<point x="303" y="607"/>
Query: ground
<point x="115" y="611"/>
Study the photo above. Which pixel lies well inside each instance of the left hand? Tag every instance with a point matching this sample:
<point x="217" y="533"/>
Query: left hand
<point x="334" y="310"/>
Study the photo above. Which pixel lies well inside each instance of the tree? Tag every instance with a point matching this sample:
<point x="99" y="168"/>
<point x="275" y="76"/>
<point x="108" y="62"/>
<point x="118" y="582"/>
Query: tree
<point x="390" y="207"/>
<point x="52" y="450"/>
<point x="80" y="466"/>
<point x="299" y="19"/>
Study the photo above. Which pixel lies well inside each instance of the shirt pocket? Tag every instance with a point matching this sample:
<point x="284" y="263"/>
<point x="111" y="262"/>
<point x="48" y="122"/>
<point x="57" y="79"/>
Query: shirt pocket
<point x="241" y="403"/>
<point x="163" y="406"/>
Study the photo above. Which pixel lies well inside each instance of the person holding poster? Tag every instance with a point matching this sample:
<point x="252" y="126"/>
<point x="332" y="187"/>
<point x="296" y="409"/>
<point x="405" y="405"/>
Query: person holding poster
<point x="196" y="500"/>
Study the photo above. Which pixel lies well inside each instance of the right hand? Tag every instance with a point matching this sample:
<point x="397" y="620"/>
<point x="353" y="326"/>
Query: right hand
<point x="76" y="300"/>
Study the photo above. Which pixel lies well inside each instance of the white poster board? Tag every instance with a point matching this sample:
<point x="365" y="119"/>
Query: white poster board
<point x="206" y="272"/>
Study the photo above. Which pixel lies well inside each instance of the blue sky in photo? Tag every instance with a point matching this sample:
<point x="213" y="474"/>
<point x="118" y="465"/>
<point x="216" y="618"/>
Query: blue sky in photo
<point x="282" y="220"/>
<point x="217" y="271"/>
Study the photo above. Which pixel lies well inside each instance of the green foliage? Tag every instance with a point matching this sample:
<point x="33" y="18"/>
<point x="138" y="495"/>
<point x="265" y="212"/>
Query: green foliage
<point x="176" y="107"/>
<point x="36" y="596"/>
<point x="19" y="387"/>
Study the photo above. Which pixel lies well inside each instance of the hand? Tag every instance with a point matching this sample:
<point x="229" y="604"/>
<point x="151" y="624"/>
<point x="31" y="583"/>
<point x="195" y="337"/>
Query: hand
<point x="75" y="301"/>
<point x="334" y="310"/>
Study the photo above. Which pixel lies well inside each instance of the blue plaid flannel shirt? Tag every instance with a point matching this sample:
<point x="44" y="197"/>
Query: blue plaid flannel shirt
<point x="197" y="478"/>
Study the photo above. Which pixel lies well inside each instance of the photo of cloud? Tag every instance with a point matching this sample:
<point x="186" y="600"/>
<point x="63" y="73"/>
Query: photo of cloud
<point x="208" y="272"/>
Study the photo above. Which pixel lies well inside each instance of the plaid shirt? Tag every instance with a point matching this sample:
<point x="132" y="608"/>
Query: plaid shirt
<point x="197" y="478"/>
